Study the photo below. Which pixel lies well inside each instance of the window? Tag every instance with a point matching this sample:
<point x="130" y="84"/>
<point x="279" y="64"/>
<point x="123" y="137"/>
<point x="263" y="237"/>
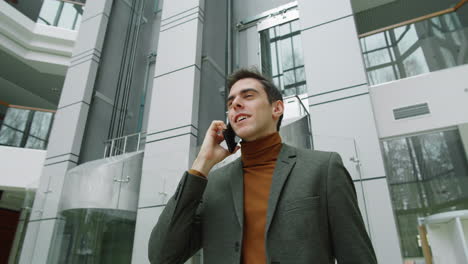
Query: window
<point x="427" y="174"/>
<point x="62" y="14"/>
<point x="282" y="59"/>
<point x="417" y="48"/>
<point x="26" y="128"/>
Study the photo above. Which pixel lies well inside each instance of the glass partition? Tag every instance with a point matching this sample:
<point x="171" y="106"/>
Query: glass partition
<point x="95" y="235"/>
<point x="430" y="45"/>
<point x="427" y="174"/>
<point x="26" y="127"/>
<point x="64" y="14"/>
<point x="97" y="212"/>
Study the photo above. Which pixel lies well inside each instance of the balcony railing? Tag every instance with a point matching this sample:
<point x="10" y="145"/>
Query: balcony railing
<point x="125" y="144"/>
<point x="426" y="44"/>
<point x="25" y="127"/>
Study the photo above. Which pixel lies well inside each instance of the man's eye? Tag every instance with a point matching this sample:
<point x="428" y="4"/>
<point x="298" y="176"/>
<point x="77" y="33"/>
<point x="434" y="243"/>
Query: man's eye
<point x="248" y="95"/>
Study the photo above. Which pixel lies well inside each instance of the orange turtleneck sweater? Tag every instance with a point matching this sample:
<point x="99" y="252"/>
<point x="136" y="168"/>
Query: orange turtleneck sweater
<point x="258" y="163"/>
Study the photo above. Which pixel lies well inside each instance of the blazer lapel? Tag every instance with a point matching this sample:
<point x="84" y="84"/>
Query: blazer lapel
<point x="284" y="164"/>
<point x="237" y="188"/>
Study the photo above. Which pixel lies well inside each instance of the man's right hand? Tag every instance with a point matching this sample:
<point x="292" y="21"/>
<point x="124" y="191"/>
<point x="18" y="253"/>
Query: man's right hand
<point x="211" y="152"/>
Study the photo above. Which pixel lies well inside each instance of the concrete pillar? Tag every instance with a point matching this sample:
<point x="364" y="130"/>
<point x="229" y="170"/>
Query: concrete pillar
<point x="342" y="115"/>
<point x="67" y="131"/>
<point x="173" y="115"/>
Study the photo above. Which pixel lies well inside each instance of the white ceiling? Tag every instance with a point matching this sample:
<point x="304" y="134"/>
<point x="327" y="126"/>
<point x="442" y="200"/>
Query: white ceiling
<point x="21" y="84"/>
<point x="361" y="5"/>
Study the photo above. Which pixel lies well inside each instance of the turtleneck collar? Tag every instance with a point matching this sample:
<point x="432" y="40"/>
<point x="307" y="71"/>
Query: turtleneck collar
<point x="261" y="150"/>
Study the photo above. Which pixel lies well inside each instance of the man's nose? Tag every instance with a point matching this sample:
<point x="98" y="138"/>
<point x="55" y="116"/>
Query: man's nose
<point x="237" y="103"/>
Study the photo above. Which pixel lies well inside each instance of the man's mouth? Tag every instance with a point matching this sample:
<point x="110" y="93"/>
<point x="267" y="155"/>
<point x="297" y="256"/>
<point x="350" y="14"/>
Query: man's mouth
<point x="241" y="117"/>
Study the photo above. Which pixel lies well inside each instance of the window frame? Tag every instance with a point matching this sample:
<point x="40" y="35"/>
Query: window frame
<point x="272" y="21"/>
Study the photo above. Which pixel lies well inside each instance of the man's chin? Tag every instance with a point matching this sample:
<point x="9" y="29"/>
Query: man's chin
<point x="245" y="135"/>
<point x="240" y="132"/>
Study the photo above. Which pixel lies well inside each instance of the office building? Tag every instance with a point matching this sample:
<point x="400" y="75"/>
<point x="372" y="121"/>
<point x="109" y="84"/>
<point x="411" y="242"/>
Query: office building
<point x="104" y="104"/>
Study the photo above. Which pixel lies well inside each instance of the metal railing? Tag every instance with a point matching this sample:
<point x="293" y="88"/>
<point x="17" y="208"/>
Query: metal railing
<point x="125" y="144"/>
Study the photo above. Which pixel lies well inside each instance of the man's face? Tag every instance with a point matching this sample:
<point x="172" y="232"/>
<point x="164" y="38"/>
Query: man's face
<point x="249" y="112"/>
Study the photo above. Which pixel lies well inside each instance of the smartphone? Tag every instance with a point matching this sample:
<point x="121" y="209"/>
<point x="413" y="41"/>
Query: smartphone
<point x="230" y="137"/>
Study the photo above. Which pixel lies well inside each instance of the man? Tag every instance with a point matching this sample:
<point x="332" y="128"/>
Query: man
<point x="276" y="204"/>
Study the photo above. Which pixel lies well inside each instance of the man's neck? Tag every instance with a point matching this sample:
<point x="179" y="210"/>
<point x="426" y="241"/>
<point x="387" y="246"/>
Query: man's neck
<point x="261" y="150"/>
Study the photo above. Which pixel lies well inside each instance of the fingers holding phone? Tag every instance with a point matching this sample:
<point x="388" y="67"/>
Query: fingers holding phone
<point x="211" y="152"/>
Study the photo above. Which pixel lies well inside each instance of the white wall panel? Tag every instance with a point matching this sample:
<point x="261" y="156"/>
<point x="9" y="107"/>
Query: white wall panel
<point x="40" y="197"/>
<point x="43" y="241"/>
<point x="362" y="202"/>
<point x="14" y="172"/>
<point x="91" y="34"/>
<point x="382" y="222"/>
<point x="345" y="146"/>
<point x="29" y="243"/>
<point x="164" y="164"/>
<point x="169" y="113"/>
<point x="342" y="93"/>
<point x="73" y="91"/>
<point x="56" y="175"/>
<point x="349" y="118"/>
<point x="181" y="42"/>
<point x="147" y="217"/>
<point x="68" y="129"/>
<point x="248" y="51"/>
<point x="94" y="8"/>
<point x="332" y="57"/>
<point x="445" y="91"/>
<point x="315" y="12"/>
<point x="172" y="8"/>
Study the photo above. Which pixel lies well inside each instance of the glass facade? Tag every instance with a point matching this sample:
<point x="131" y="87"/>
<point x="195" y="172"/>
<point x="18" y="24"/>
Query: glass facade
<point x="282" y="58"/>
<point x="426" y="46"/>
<point x="427" y="174"/>
<point x="26" y="128"/>
<point x="61" y="14"/>
<point x="95" y="236"/>
<point x="97" y="215"/>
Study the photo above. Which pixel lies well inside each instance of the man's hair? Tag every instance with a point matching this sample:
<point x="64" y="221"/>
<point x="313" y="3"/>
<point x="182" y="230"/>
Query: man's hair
<point x="273" y="93"/>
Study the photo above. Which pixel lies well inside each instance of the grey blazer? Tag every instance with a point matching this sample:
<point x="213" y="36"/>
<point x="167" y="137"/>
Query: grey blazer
<point x="312" y="217"/>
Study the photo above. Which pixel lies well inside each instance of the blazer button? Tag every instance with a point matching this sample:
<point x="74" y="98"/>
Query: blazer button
<point x="237" y="246"/>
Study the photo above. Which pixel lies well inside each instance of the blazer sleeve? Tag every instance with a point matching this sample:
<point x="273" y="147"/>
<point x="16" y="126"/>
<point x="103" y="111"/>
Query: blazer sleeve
<point x="177" y="235"/>
<point x="350" y="241"/>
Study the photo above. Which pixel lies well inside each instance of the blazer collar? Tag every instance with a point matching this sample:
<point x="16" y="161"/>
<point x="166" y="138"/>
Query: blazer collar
<point x="237" y="187"/>
<point x="284" y="164"/>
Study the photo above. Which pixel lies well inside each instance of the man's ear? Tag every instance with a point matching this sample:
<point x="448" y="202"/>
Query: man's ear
<point x="278" y="109"/>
